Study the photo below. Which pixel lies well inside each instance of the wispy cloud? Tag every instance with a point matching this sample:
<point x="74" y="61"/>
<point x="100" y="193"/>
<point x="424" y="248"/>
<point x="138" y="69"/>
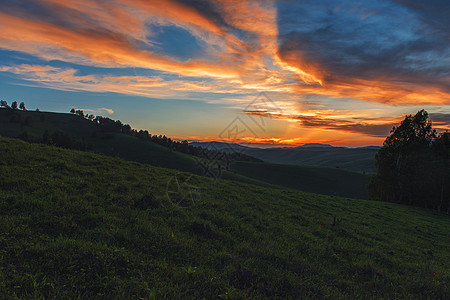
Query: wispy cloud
<point x="376" y="127"/>
<point x="97" y="111"/>
<point x="70" y="79"/>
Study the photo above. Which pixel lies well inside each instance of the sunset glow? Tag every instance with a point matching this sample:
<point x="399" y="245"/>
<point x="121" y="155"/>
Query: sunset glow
<point x="334" y="72"/>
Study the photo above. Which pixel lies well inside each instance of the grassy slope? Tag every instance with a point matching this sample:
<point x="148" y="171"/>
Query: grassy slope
<point x="356" y="160"/>
<point x="309" y="179"/>
<point x="79" y="224"/>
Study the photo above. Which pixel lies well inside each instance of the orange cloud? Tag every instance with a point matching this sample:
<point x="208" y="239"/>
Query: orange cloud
<point x="95" y="47"/>
<point x="98" y="111"/>
<point x="340" y="121"/>
<point x="383" y="89"/>
<point x="90" y="14"/>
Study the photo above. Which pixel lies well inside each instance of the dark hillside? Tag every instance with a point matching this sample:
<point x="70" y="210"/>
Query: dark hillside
<point x="80" y="225"/>
<point x="12" y="124"/>
<point x="325" y="181"/>
<point x="361" y="160"/>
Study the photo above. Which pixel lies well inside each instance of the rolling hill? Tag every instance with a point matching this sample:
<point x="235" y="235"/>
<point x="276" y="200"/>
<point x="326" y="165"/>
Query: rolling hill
<point x="325" y="181"/>
<point x="361" y="160"/>
<point x="75" y="224"/>
<point x="112" y="144"/>
<point x="13" y="123"/>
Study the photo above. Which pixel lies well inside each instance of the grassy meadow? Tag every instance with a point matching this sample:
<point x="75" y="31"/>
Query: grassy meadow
<point x="81" y="225"/>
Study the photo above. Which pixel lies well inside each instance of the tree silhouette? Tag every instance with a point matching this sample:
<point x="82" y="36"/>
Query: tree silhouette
<point x="14" y="105"/>
<point x="80" y="113"/>
<point x="4" y="104"/>
<point x="411" y="165"/>
<point x="22" y="106"/>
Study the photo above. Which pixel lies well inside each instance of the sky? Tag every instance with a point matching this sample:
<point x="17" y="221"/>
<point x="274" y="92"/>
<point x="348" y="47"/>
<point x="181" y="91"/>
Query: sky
<point x="260" y="72"/>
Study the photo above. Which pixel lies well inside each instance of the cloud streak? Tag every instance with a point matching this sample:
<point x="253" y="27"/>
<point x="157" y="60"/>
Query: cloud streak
<point x="97" y="111"/>
<point x="69" y="79"/>
<point x="376" y="127"/>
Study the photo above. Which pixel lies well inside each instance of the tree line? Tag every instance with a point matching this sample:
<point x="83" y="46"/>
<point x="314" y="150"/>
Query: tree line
<point x="116" y="126"/>
<point x="14" y="105"/>
<point x="413" y="166"/>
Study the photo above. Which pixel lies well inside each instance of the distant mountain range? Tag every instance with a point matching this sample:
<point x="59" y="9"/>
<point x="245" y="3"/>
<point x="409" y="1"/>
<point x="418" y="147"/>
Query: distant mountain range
<point x="360" y="159"/>
<point x="314" y="145"/>
<point x="223" y="145"/>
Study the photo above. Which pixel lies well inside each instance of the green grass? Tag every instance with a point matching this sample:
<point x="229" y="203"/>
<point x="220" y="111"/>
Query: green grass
<point x="81" y="225"/>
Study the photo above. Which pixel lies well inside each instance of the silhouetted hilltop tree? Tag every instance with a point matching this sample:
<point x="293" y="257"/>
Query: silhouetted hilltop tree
<point x="14" y="105"/>
<point x="126" y="129"/>
<point x="22" y="106"/>
<point x="78" y="112"/>
<point x="143" y="134"/>
<point x="412" y="165"/>
<point x="109" y="125"/>
<point x="4" y="104"/>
